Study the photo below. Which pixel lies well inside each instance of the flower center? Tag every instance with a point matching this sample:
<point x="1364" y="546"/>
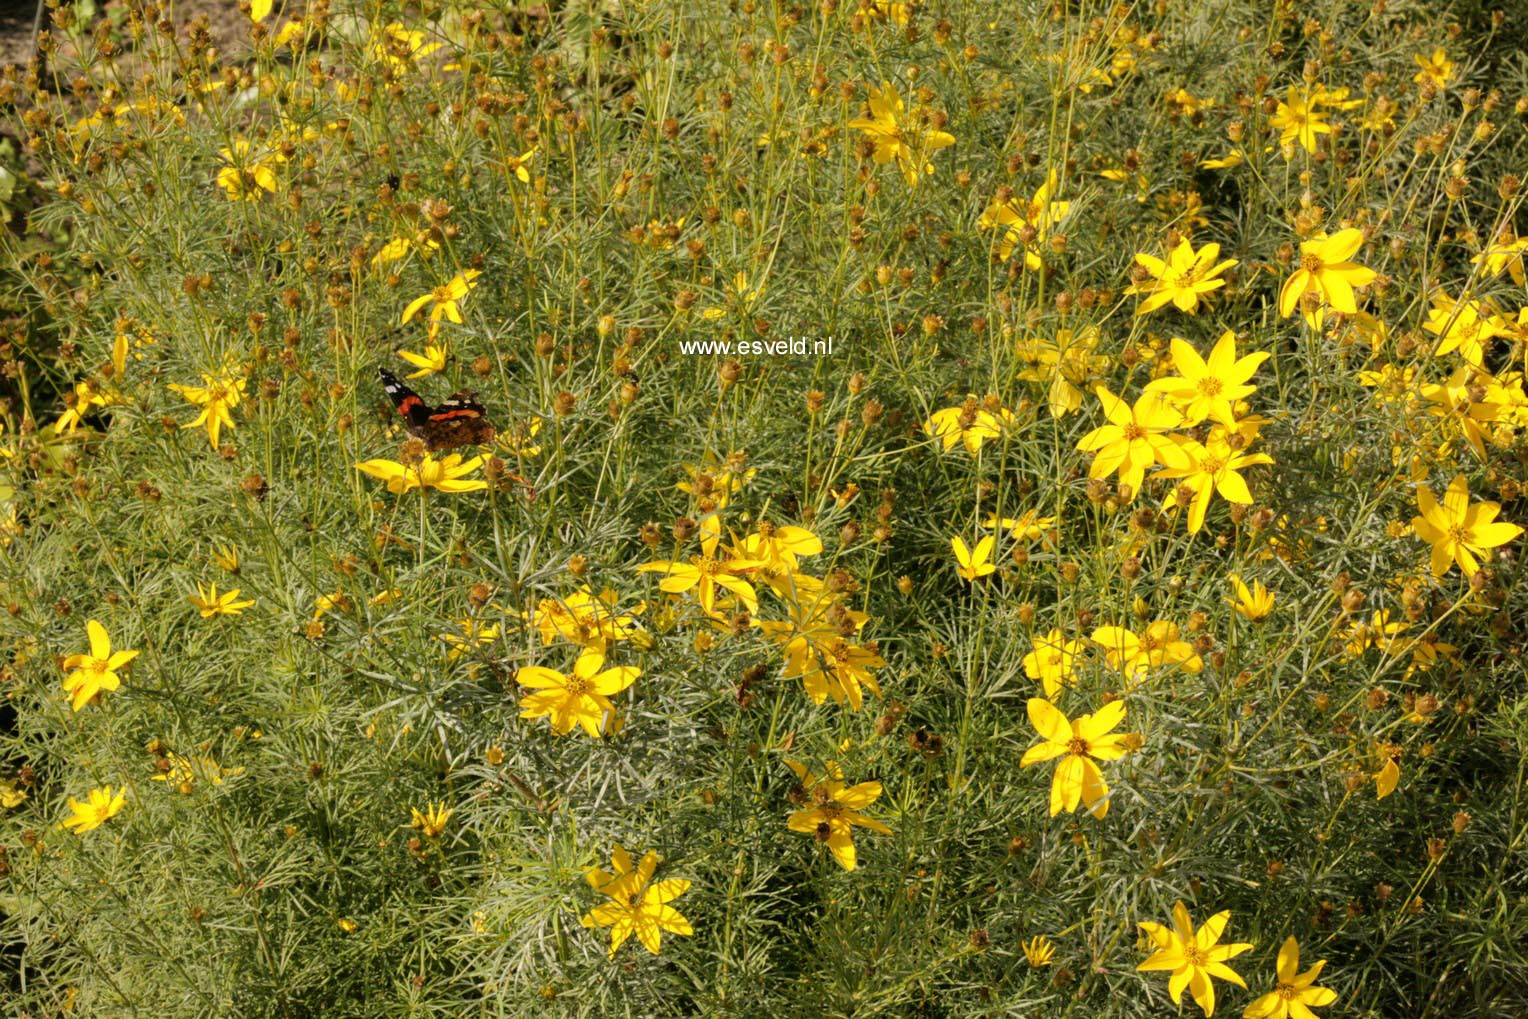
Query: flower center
<point x="577" y="686"/>
<point x="1287" y="992"/>
<point x="1211" y="386"/>
<point x="1133" y="431"/>
<point x="1311" y="263"/>
<point x="1195" y="955"/>
<point x="1212" y="464"/>
<point x="1459" y="533"/>
<point x="1077" y="745"/>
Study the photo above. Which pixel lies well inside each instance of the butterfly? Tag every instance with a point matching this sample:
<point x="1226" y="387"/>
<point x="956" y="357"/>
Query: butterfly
<point x="459" y="421"/>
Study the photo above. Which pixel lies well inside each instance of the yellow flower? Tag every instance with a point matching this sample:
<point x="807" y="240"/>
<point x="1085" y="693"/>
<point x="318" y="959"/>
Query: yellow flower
<point x="87" y="396"/>
<point x="1505" y="254"/>
<point x="1293" y="996"/>
<point x="1027" y="526"/>
<point x="446" y="300"/>
<point x="581" y="698"/>
<point x="779" y="546"/>
<point x="1297" y="119"/>
<point x="1182" y="279"/>
<point x="433" y="821"/>
<point x="10" y="796"/>
<point x="1437" y="68"/>
<point x="1134" y="439"/>
<point x="1209" y="388"/>
<point x="1326" y="272"/>
<point x="243" y="176"/>
<point x="1465" y="326"/>
<point x="1254" y="604"/>
<point x="1212" y="467"/>
<point x="101" y="806"/>
<point x="209" y="603"/>
<point x="899" y="136"/>
<point x="346" y="924"/>
<point x="1039" y="213"/>
<point x="1078" y="743"/>
<point x="969" y="424"/>
<point x="515" y="165"/>
<point x="1389" y="774"/>
<point x="97" y="670"/>
<point x="1053" y="661"/>
<point x="445" y="475"/>
<point x="707" y="572"/>
<point x="1193" y="956"/>
<point x="1067" y="365"/>
<point x="1038" y="950"/>
<point x="972" y="565"/>
<point x="637" y="906"/>
<point x="220" y="393"/>
<point x="184" y="771"/>
<point x="259" y="9"/>
<point x="1458" y="531"/>
<point x="1134" y="655"/>
<point x="431" y="361"/>
<point x="399" y="47"/>
<point x="834" y="810"/>
<point x="226" y="557"/>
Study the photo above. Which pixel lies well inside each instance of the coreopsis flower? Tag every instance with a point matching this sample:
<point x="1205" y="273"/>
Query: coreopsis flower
<point x="1209" y="388"/>
<point x="1212" y="468"/>
<point x="1133" y="655"/>
<point x="1294" y="995"/>
<point x="519" y="439"/>
<point x="780" y="545"/>
<point x="1389" y="774"/>
<point x="10" y="796"/>
<point x="399" y="247"/>
<point x="834" y="810"/>
<point x="184" y="771"/>
<point x="1039" y="213"/>
<point x="87" y="396"/>
<point x="1134" y="439"/>
<point x="1038" y="951"/>
<point x="1065" y="366"/>
<point x="1504" y="254"/>
<point x="970" y="564"/>
<point x="1054" y="661"/>
<point x="445" y="300"/>
<point x="260" y="9"/>
<point x="432" y="821"/>
<point x="970" y="424"/>
<point x="246" y="176"/>
<point x="96" y="671"/>
<point x="431" y="361"/>
<point x="1458" y="531"/>
<point x="1078" y="742"/>
<point x="220" y="393"/>
<point x="820" y="649"/>
<point x="901" y="137"/>
<point x="1437" y="68"/>
<point x="1465" y="326"/>
<point x="1254" y="603"/>
<point x="1182" y="279"/>
<point x="1466" y="407"/>
<point x="226" y="558"/>
<point x="1027" y="526"/>
<point x="399" y="47"/>
<point x="1193" y="956"/>
<point x="637" y="905"/>
<point x="515" y="166"/>
<point x="474" y="634"/>
<point x="1379" y="632"/>
<point x="209" y="603"/>
<point x="1297" y="119"/>
<point x="1327" y="272"/>
<point x="581" y="697"/>
<point x="586" y="619"/>
<point x="708" y="573"/>
<point x="447" y="475"/>
<point x="101" y="806"/>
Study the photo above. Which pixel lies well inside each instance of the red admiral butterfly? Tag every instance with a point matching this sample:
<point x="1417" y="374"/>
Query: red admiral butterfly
<point x="459" y="421"/>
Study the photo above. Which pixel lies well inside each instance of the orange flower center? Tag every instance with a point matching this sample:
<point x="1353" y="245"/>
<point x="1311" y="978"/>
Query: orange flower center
<point x="1211" y="386"/>
<point x="1077" y="745"/>
<point x="1459" y="533"/>
<point x="1195" y="955"/>
<point x="1133" y="431"/>
<point x="578" y="686"/>
<point x="1287" y="992"/>
<point x="1311" y="263"/>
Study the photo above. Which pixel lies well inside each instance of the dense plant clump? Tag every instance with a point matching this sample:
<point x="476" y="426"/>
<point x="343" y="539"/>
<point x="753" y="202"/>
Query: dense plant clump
<point x="868" y="508"/>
